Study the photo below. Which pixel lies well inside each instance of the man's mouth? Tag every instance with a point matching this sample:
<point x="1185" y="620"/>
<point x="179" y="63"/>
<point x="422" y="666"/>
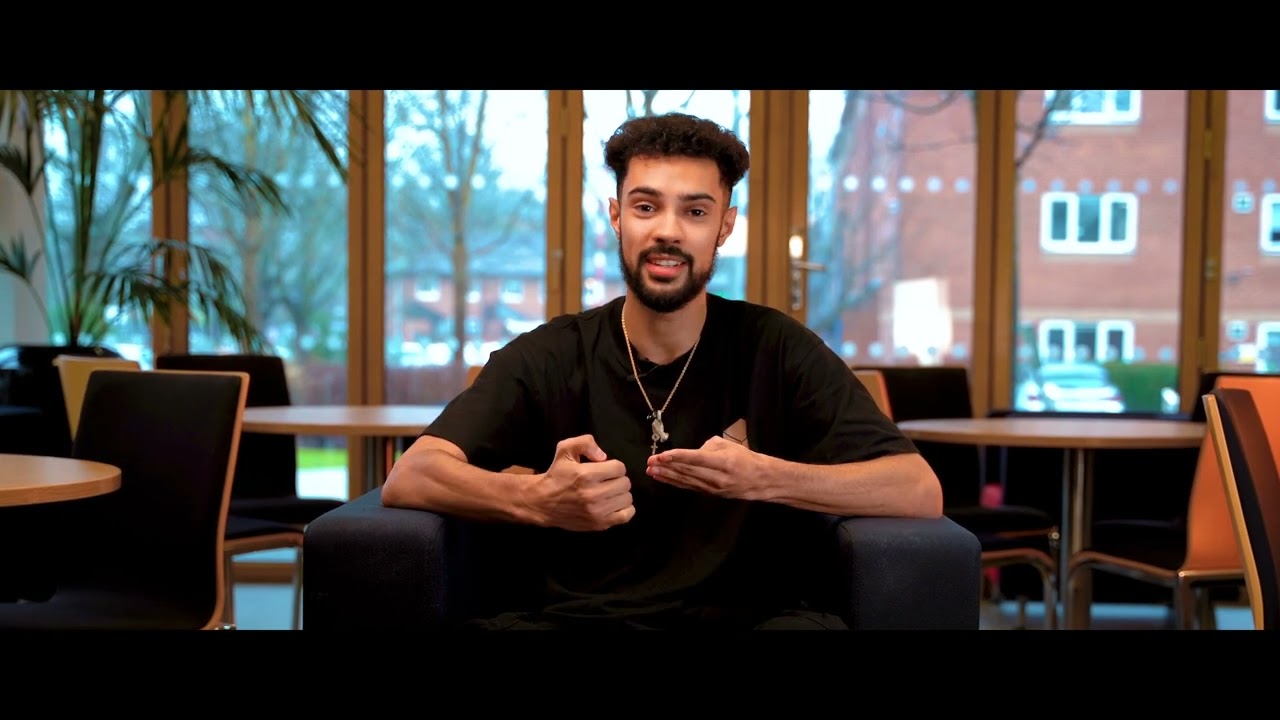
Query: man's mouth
<point x="664" y="266"/>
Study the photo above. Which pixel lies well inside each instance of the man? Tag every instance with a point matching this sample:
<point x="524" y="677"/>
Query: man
<point x="631" y="413"/>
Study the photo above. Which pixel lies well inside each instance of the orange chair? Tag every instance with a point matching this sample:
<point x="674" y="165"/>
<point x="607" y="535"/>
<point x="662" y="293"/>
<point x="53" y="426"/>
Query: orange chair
<point x="1210" y="555"/>
<point x="1247" y="452"/>
<point x="874" y="382"/>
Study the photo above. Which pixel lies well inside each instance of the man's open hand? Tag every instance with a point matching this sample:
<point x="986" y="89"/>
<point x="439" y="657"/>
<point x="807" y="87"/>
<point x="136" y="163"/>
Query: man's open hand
<point x="720" y="467"/>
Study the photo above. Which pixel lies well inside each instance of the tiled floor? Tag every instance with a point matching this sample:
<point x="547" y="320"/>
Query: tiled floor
<point x="268" y="607"/>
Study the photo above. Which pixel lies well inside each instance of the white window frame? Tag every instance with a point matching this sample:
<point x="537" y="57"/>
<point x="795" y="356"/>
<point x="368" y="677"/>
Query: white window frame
<point x="1071" y="245"/>
<point x="1269" y="110"/>
<point x="1126" y="345"/>
<point x="1108" y="115"/>
<point x="1101" y="329"/>
<point x="1068" y="328"/>
<point x="1264" y="329"/>
<point x="1268" y="215"/>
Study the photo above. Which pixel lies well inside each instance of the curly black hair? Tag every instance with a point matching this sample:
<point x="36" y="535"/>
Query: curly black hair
<point x="677" y="135"/>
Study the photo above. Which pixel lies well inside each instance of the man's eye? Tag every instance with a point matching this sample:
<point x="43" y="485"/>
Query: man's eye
<point x="698" y="212"/>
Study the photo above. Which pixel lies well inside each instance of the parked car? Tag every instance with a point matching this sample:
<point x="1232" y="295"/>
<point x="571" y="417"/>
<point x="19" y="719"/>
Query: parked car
<point x="1069" y="387"/>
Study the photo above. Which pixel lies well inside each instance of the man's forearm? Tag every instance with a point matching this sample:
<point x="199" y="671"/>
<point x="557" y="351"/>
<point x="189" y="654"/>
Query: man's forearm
<point x="894" y="486"/>
<point x="430" y="479"/>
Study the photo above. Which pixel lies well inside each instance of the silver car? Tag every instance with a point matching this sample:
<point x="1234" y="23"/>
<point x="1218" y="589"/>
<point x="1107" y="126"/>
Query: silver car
<point x="1069" y="387"/>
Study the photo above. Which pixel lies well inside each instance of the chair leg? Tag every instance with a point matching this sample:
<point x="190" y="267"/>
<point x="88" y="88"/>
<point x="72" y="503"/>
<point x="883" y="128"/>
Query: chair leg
<point x="1184" y="605"/>
<point x="1069" y="587"/>
<point x="297" y="591"/>
<point x="229" y="589"/>
<point x="1050" y="599"/>
<point x="1206" y="618"/>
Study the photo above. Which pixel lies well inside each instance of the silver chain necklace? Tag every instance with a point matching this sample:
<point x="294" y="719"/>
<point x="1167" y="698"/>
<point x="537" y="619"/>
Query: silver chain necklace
<point x="659" y="432"/>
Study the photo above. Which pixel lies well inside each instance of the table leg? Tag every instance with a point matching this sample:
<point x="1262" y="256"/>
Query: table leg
<point x="378" y="452"/>
<point x="1077" y="531"/>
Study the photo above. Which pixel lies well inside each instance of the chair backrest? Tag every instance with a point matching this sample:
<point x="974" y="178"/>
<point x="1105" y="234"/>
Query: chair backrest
<point x="175" y="436"/>
<point x="268" y="465"/>
<point x="873" y="380"/>
<point x="1208" y="381"/>
<point x="1246" y="451"/>
<point x="917" y="393"/>
<point x="73" y="373"/>
<point x="1211" y="541"/>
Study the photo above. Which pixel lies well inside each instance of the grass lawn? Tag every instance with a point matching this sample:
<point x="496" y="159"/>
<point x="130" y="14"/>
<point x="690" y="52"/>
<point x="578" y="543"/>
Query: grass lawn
<point x="322" y="458"/>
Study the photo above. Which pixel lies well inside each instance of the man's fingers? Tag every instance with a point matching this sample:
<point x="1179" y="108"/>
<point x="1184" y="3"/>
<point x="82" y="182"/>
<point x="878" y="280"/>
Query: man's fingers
<point x="683" y="472"/>
<point x="700" y="458"/>
<point x="578" y="447"/>
<point x="601" y="471"/>
<point x="622" y="516"/>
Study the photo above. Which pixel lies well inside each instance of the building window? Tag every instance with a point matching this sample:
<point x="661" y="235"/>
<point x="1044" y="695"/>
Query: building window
<point x="427" y="289"/>
<point x="1268" y="348"/>
<point x="1270" y="218"/>
<point x="1088" y="224"/>
<point x="512" y="291"/>
<point x="1093" y="107"/>
<point x="473" y="292"/>
<point x="1070" y="341"/>
<point x="1271" y="105"/>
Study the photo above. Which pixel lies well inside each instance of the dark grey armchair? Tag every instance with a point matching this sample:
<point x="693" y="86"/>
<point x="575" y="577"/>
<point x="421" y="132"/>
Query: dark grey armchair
<point x="371" y="567"/>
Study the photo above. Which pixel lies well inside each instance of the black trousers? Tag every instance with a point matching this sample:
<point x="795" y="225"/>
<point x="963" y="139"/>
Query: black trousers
<point x="799" y="619"/>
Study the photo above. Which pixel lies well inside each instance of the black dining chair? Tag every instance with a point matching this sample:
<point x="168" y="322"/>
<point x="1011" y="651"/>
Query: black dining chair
<point x="266" y="511"/>
<point x="1011" y="535"/>
<point x="149" y="554"/>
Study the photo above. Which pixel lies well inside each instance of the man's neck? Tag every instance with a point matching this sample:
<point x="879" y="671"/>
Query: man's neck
<point x="662" y="337"/>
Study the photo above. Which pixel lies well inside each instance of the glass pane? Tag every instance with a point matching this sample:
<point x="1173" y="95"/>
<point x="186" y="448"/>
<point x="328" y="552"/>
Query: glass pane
<point x="117" y="226"/>
<point x="1112" y="291"/>
<point x="604" y="111"/>
<point x="292" y="266"/>
<point x="891" y="216"/>
<point x="466" y="233"/>
<point x="1250" y="308"/>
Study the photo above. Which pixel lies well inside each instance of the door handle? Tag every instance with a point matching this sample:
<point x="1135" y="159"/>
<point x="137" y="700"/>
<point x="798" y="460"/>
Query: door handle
<point x="799" y="266"/>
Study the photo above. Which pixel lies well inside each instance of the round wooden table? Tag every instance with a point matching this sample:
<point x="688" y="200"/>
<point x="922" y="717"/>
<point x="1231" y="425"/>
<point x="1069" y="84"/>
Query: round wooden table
<point x="32" y="479"/>
<point x="379" y="426"/>
<point x="1078" y="438"/>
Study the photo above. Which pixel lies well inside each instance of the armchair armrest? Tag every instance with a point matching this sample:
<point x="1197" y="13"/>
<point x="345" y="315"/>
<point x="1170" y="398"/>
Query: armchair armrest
<point x="372" y="567"/>
<point x="367" y="566"/>
<point x="908" y="573"/>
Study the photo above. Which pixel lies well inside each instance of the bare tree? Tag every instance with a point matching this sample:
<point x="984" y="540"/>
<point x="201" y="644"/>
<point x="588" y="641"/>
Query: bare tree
<point x="867" y="144"/>
<point x="449" y="201"/>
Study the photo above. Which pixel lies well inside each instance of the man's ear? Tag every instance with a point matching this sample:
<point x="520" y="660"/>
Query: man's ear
<point x="726" y="225"/>
<point x="615" y="216"/>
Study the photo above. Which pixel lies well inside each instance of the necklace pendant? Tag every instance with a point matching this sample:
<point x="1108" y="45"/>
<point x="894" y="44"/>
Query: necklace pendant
<point x="659" y="432"/>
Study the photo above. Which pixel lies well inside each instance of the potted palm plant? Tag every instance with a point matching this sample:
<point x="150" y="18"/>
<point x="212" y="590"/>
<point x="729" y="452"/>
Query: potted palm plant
<point x="88" y="163"/>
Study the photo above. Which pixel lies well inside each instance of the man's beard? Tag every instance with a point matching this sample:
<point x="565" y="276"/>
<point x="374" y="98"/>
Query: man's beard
<point x="669" y="298"/>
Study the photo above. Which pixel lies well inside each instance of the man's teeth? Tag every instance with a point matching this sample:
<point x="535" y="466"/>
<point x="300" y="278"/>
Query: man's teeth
<point x="666" y="263"/>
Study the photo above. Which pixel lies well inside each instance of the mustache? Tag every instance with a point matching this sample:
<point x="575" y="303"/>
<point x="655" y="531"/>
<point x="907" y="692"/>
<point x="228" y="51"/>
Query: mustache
<point x="668" y="250"/>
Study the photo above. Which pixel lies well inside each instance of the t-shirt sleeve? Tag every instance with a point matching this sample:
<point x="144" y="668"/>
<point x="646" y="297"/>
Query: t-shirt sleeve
<point x="833" y="417"/>
<point x="485" y="420"/>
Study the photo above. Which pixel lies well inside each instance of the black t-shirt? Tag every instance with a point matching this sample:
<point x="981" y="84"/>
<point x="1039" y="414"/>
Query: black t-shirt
<point x="572" y="376"/>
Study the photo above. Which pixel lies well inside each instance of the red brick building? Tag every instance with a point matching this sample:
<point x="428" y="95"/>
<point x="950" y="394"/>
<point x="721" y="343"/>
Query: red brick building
<point x="1099" y="215"/>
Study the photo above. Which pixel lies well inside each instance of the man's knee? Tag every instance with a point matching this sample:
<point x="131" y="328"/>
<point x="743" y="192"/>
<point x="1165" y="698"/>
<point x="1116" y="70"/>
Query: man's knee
<point x="804" y="620"/>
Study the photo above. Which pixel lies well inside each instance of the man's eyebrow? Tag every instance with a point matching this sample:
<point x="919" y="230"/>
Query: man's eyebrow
<point x="686" y="197"/>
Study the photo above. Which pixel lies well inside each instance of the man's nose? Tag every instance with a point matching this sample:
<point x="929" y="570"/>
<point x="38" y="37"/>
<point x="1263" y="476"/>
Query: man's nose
<point x="669" y="229"/>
